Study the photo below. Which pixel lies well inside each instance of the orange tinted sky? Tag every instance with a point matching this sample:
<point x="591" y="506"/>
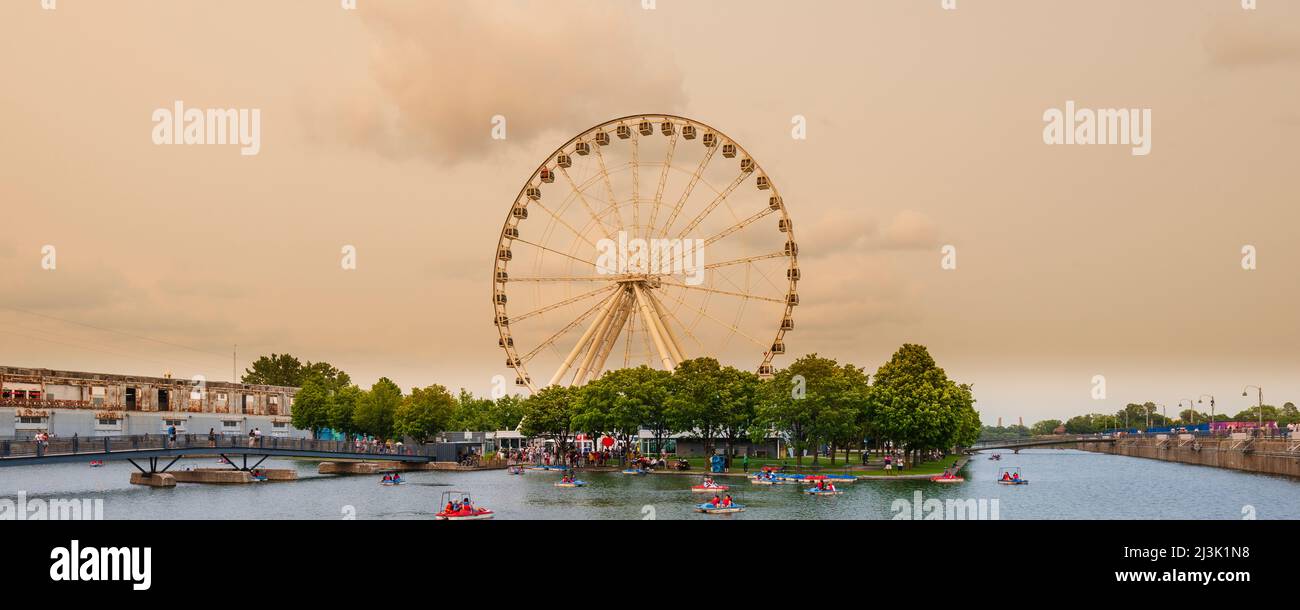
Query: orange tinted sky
<point x="925" y="128"/>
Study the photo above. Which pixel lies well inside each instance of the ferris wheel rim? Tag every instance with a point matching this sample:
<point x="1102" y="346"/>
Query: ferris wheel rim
<point x="656" y="120"/>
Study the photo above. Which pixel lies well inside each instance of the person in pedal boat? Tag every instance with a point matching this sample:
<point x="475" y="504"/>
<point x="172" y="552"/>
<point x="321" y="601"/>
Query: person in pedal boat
<point x="726" y="502"/>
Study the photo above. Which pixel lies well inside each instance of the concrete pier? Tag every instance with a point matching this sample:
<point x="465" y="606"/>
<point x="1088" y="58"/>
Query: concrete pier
<point x="157" y="479"/>
<point x="230" y="476"/>
<point x="357" y="467"/>
<point x="1243" y="453"/>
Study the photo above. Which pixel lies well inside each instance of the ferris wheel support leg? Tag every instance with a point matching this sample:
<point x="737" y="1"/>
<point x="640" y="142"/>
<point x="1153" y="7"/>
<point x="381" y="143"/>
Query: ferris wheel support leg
<point x="580" y="376"/>
<point x="674" y="345"/>
<point x="582" y="342"/>
<point x="651" y="327"/>
<point x="611" y="338"/>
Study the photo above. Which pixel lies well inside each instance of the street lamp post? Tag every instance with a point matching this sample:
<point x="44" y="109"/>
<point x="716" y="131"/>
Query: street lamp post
<point x="1200" y="399"/>
<point x="1191" y="405"/>
<point x="1261" y="402"/>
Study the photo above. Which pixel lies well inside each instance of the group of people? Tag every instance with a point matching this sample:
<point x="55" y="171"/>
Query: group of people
<point x="374" y="445"/>
<point x="392" y="477"/>
<point x="458" y="506"/>
<point x="825" y="485"/>
<point x="547" y="456"/>
<point x="724" y="502"/>
<point x="1008" y="476"/>
<point x="765" y="475"/>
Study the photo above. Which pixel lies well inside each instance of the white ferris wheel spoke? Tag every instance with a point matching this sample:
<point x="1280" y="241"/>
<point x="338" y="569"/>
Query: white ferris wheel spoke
<point x="565" y="223"/>
<point x="568" y="327"/>
<point x="636" y="185"/>
<point x="713" y="204"/>
<point x="568" y="301"/>
<point x="730" y="327"/>
<point x="690" y="186"/>
<point x="663" y="181"/>
<point x="583" y="198"/>
<point x="738" y="226"/>
<point x="609" y="186"/>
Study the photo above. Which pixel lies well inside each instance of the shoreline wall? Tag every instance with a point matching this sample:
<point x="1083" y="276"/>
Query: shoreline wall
<point x="1279" y="457"/>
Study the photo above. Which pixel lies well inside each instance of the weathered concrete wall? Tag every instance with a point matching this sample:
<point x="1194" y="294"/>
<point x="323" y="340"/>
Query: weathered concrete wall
<point x="356" y="467"/>
<point x="7" y="423"/>
<point x="160" y="479"/>
<point x="229" y="476"/>
<point x="383" y="466"/>
<point x="1267" y="457"/>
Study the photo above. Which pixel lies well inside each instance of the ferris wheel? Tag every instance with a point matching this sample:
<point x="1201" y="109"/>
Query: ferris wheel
<point x="635" y="243"/>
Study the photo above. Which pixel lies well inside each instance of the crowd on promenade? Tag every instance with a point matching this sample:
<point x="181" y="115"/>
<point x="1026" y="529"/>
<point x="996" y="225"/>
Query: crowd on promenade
<point x="548" y="456"/>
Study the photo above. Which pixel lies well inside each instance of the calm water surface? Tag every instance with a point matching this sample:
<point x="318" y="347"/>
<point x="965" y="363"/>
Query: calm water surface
<point x="1064" y="484"/>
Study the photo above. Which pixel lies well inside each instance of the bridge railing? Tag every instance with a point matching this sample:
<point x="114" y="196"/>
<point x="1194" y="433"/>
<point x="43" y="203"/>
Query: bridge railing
<point x="212" y="443"/>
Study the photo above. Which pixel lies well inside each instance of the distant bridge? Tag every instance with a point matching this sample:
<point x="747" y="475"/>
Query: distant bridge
<point x="156" y="447"/>
<point x="1041" y="441"/>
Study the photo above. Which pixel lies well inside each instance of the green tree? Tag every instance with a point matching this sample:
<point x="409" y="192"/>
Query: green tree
<point x="472" y="413"/>
<point x="342" y="409"/>
<point x="1252" y="414"/>
<point x="1045" y="427"/>
<point x="376" y="408"/>
<point x="1288" y="415"/>
<point x="507" y="412"/>
<point x="276" y="369"/>
<point x="621" y="401"/>
<point x="1188" y="417"/>
<point x="918" y="407"/>
<point x="740" y="396"/>
<point x="311" y="407"/>
<point x="424" y="413"/>
<point x="796" y="398"/>
<point x="549" y="413"/>
<point x="840" y="424"/>
<point x="695" y="404"/>
<point x="288" y="370"/>
<point x="332" y="378"/>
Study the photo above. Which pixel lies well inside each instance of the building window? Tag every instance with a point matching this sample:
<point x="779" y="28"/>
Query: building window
<point x="31" y="420"/>
<point x="174" y="422"/>
<point x="109" y="422"/>
<point x="279" y="424"/>
<point x="230" y="424"/>
<point x="221" y="397"/>
<point x="97" y="396"/>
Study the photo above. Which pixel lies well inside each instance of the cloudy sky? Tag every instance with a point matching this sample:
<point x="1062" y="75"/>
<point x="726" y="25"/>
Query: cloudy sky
<point x="924" y="129"/>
